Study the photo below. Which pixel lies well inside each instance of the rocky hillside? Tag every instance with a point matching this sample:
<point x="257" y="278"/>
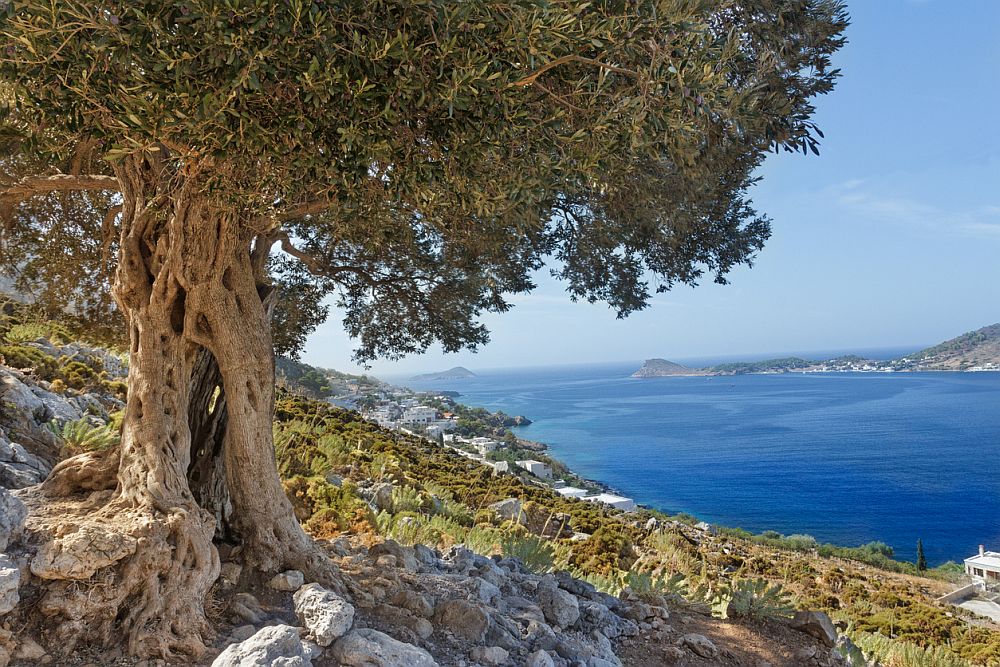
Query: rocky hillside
<point x="443" y="562"/>
<point x="979" y="348"/>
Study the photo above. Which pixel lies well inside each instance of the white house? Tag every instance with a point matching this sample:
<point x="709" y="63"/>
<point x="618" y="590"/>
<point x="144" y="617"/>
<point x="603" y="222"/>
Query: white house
<point x="536" y="468"/>
<point x="618" y="502"/>
<point x="571" y="492"/>
<point x="418" y="414"/>
<point x="485" y="445"/>
<point x="984" y="567"/>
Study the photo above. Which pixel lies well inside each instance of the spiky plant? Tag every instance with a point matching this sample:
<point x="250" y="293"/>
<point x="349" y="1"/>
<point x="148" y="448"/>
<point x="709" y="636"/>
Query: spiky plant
<point x="756" y="599"/>
<point x="536" y="553"/>
<point x="82" y="436"/>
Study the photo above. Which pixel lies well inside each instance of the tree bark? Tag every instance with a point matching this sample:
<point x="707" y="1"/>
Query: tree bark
<point x="198" y="328"/>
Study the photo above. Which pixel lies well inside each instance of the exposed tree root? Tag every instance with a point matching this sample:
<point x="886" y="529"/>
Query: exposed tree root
<point x="119" y="571"/>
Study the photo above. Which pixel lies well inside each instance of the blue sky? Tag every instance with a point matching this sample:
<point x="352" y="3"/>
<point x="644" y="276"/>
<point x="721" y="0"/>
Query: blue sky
<point x="890" y="238"/>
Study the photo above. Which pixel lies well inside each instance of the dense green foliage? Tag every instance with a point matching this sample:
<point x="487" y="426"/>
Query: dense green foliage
<point x="420" y="160"/>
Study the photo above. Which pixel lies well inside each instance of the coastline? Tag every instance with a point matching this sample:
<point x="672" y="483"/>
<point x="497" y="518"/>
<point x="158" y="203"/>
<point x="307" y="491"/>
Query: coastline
<point x="580" y="405"/>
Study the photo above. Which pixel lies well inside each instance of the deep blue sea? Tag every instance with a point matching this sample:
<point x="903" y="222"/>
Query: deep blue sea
<point x="845" y="457"/>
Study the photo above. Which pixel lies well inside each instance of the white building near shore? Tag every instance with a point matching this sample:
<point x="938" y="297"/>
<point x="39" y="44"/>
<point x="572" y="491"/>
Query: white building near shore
<point x="536" y="468"/>
<point x="984" y="567"/>
<point x="571" y="492"/>
<point x="618" y="502"/>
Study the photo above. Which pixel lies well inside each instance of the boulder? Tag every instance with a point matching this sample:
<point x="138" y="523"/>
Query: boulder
<point x="413" y="601"/>
<point x="539" y="659"/>
<point x="464" y="619"/>
<point x="382" y="497"/>
<point x="29" y="650"/>
<point x="289" y="580"/>
<point x="426" y="556"/>
<point x="699" y="644"/>
<point x="489" y="656"/>
<point x="560" y="607"/>
<point x="817" y="624"/>
<point x="12" y="516"/>
<point x="19" y="468"/>
<point x="10" y="579"/>
<point x="484" y="591"/>
<point x="246" y="608"/>
<point x="268" y="647"/>
<point x="403" y="555"/>
<point x="370" y="648"/>
<point x="850" y="653"/>
<point x="325" y="614"/>
<point x="509" y="510"/>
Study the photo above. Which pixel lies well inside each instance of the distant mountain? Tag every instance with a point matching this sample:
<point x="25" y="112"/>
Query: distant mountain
<point x="655" y="368"/>
<point x="456" y="373"/>
<point x="975" y="349"/>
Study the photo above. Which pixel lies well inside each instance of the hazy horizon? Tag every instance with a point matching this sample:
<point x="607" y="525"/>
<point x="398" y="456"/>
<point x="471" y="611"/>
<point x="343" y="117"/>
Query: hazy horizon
<point x="891" y="236"/>
<point x="876" y="354"/>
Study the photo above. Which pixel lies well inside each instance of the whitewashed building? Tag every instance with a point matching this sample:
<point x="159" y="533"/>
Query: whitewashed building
<point x="536" y="468"/>
<point x="618" y="502"/>
<point x="571" y="492"/>
<point x="984" y="567"/>
<point x="418" y="414"/>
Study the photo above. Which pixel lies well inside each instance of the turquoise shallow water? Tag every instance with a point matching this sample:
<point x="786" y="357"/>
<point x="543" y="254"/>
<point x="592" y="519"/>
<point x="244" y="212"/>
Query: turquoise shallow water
<point x="848" y="458"/>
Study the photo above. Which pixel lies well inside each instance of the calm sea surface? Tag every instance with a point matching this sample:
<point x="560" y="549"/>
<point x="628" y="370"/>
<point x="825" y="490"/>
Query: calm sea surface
<point x="848" y="458"/>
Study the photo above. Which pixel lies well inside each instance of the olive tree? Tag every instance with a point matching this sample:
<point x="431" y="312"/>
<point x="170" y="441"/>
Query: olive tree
<point x="418" y="159"/>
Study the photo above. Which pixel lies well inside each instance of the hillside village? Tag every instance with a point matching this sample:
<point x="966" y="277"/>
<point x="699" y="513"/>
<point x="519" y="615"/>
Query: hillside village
<point x="400" y="410"/>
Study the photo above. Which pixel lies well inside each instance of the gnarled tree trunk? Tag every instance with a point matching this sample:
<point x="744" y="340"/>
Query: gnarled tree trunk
<point x="198" y="329"/>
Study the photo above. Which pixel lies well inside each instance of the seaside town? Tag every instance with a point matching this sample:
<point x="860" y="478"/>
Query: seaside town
<point x="406" y="411"/>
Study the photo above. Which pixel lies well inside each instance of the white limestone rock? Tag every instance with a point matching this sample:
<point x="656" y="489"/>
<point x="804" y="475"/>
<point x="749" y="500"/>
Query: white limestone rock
<point x="12" y="516"/>
<point x="273" y="646"/>
<point x="325" y="614"/>
<point x="10" y="579"/>
<point x="371" y="648"/>
<point x="289" y="580"/>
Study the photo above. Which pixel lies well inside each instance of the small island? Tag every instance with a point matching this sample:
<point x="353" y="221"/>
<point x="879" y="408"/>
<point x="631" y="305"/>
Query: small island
<point x="456" y="373"/>
<point x="654" y="368"/>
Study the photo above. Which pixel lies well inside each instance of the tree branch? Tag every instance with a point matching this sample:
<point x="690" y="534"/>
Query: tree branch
<point x="31" y="186"/>
<point x="274" y="219"/>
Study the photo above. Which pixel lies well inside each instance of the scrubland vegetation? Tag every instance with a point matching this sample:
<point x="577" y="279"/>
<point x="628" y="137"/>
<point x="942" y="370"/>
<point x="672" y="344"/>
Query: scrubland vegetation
<point x="441" y="499"/>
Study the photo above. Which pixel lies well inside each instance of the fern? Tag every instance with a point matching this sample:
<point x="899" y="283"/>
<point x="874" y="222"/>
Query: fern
<point x="895" y="653"/>
<point x="406" y="499"/>
<point x="82" y="436"/>
<point x="536" y="553"/>
<point x="755" y="599"/>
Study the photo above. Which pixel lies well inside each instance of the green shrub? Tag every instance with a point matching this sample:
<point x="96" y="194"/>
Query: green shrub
<point x="25" y="333"/>
<point x="536" y="553"/>
<point x="44" y="365"/>
<point x="756" y="599"/>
